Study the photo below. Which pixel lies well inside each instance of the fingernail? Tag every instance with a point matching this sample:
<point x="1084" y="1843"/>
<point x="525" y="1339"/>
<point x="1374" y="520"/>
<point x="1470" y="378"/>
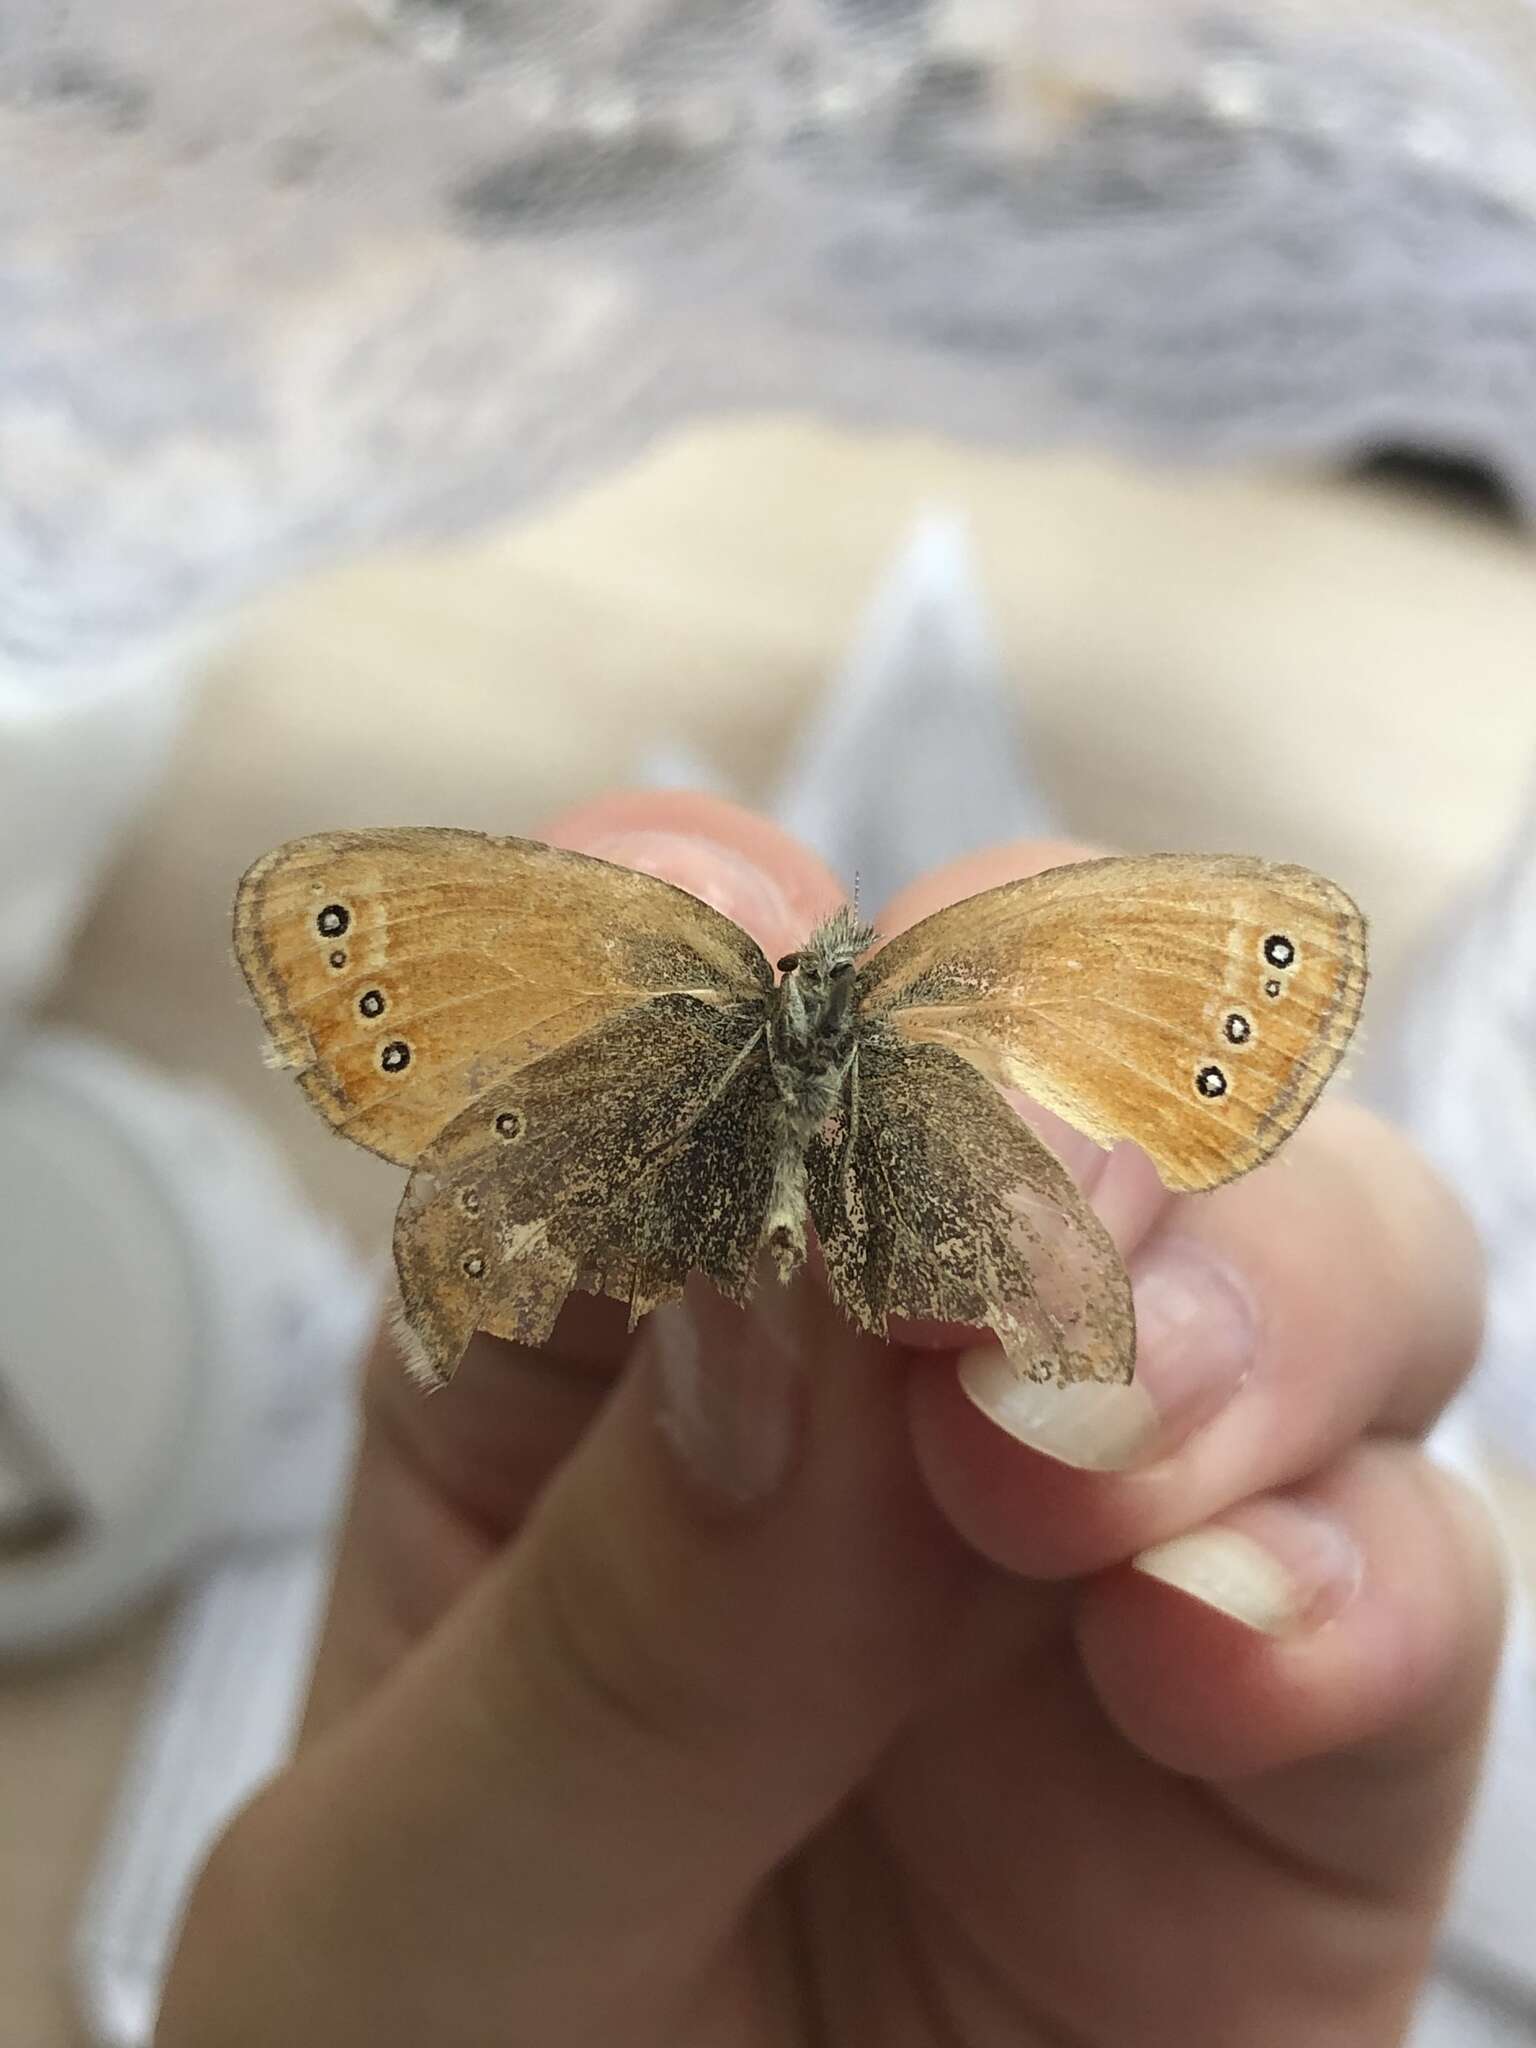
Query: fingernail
<point x="1196" y="1335"/>
<point x="1279" y="1566"/>
<point x="1091" y="1427"/>
<point x="730" y="1386"/>
<point x="718" y="874"/>
<point x="1194" y="1348"/>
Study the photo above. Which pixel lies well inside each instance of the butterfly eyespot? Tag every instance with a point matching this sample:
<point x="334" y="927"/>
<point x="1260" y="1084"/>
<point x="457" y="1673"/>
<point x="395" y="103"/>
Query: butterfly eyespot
<point x="338" y="958"/>
<point x="474" y="1265"/>
<point x="1211" y="1082"/>
<point x="511" y="1124"/>
<point x="1271" y="989"/>
<point x="395" y="1057"/>
<point x="1279" y="951"/>
<point x="371" y="1002"/>
<point x="333" y="920"/>
<point x="1237" y="1029"/>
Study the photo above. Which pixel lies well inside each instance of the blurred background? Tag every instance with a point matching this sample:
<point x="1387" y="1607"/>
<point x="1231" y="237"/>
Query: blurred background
<point x="934" y="420"/>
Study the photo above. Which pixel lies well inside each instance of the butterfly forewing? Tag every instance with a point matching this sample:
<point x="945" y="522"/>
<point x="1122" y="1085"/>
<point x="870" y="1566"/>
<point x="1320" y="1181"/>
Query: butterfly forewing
<point x="1194" y="1005"/>
<point x="619" y="1163"/>
<point x="932" y="1200"/>
<point x="403" y="972"/>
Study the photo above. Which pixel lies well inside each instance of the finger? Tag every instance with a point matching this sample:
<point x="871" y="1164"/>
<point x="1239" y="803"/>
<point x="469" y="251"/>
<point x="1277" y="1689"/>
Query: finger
<point x="1334" y="1292"/>
<point x="1323" y="1658"/>
<point x="744" y="865"/>
<point x="987" y="869"/>
<point x="722" y="1606"/>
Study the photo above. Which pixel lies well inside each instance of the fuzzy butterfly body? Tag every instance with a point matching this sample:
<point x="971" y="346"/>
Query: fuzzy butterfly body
<point x="599" y="1082"/>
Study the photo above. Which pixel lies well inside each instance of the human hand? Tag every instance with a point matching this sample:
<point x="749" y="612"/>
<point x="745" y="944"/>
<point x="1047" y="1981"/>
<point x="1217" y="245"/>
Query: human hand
<point x="768" y="1693"/>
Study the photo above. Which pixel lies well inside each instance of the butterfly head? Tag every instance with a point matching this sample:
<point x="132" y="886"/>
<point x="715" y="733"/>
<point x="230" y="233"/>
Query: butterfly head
<point x="821" y="973"/>
<point x="833" y="946"/>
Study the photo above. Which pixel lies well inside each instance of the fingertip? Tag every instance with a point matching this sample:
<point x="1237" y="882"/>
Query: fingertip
<point x="1043" y="1514"/>
<point x="1360" y="1618"/>
<point x="744" y="865"/>
<point x="973" y="872"/>
<point x="1422" y="1225"/>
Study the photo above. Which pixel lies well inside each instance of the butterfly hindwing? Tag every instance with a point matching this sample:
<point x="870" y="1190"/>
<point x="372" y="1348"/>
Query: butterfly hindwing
<point x="403" y="972"/>
<point x="619" y="1163"/>
<point x="1194" y="1005"/>
<point x="933" y="1201"/>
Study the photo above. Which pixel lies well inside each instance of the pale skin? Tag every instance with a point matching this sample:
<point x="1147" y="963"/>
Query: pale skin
<point x="742" y="1684"/>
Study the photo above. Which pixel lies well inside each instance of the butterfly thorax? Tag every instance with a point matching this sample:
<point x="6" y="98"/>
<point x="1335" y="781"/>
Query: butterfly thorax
<point x="813" y="1021"/>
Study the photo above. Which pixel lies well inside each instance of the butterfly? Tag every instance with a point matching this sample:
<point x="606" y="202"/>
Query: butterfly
<point x="599" y="1082"/>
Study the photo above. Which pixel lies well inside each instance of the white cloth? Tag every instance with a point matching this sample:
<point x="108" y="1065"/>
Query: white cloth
<point x="284" y="280"/>
<point x="78" y="759"/>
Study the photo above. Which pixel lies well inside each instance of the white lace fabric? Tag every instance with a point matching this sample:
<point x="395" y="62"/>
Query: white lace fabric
<point x="280" y="282"/>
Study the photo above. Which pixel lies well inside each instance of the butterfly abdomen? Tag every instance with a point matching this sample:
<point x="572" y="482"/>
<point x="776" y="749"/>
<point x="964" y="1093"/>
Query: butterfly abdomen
<point x="784" y="1222"/>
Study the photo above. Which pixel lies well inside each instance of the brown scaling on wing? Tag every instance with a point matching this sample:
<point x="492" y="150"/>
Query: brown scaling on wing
<point x="933" y="1200"/>
<point x="402" y="972"/>
<point x="617" y="1164"/>
<point x="1194" y="1005"/>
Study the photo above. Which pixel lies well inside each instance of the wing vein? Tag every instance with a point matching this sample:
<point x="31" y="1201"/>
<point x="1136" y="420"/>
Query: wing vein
<point x="1154" y="1081"/>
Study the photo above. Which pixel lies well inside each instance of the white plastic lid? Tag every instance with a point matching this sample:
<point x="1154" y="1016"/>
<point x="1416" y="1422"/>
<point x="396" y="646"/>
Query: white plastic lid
<point x="156" y="1271"/>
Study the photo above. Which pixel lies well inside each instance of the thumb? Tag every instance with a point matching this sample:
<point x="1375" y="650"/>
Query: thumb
<point x="717" y="1613"/>
<point x="720" y="1610"/>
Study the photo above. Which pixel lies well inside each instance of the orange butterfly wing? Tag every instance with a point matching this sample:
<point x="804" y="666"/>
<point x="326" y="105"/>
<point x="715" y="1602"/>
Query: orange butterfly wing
<point x="1194" y="1005"/>
<point x="404" y="972"/>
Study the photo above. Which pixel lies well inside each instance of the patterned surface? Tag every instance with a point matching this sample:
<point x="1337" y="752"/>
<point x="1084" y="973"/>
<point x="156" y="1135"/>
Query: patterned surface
<point x="475" y="265"/>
